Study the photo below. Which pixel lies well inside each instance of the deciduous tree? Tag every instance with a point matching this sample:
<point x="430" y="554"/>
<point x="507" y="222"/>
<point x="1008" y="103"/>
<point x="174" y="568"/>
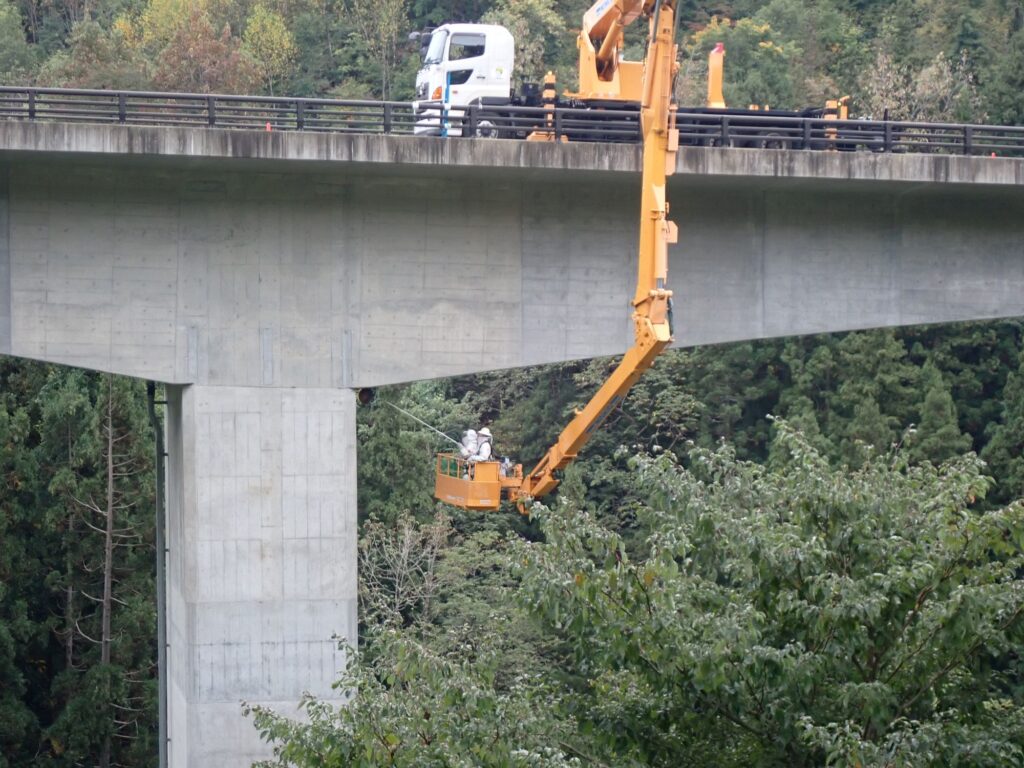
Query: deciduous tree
<point x="381" y="23"/>
<point x="269" y="42"/>
<point x="802" y="616"/>
<point x="199" y="59"/>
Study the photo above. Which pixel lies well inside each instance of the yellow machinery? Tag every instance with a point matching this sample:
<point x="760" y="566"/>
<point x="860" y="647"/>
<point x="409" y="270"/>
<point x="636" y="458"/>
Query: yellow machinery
<point x="716" y="63"/>
<point x="474" y="486"/>
<point x="603" y="74"/>
<point x="480" y="485"/>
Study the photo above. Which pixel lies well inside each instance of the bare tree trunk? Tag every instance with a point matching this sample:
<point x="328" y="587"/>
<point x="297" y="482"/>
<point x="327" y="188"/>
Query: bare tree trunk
<point x="327" y="30"/>
<point x="69" y="589"/>
<point x="108" y="553"/>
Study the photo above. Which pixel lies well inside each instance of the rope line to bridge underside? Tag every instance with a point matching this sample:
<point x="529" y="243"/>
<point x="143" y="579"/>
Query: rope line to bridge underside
<point x="697" y="127"/>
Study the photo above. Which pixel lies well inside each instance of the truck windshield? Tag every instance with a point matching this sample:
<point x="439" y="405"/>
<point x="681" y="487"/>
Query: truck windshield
<point x="436" y="49"/>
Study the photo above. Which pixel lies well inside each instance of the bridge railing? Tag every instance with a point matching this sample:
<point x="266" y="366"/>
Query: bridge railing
<point x="211" y="110"/>
<point x="696" y="128"/>
<point x="766" y="131"/>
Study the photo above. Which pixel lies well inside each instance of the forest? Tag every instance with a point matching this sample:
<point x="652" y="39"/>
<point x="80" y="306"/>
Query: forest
<point x="791" y="552"/>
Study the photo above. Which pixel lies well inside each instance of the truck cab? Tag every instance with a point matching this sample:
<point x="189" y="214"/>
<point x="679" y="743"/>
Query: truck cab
<point x="462" y="63"/>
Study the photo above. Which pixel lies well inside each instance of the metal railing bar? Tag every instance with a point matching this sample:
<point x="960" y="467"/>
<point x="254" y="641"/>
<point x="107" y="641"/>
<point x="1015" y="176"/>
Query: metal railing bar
<point x="236" y="111"/>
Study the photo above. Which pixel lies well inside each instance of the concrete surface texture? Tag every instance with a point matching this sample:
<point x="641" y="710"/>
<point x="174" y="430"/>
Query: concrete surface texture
<point x="262" y="559"/>
<point x="235" y="275"/>
<point x="265" y="275"/>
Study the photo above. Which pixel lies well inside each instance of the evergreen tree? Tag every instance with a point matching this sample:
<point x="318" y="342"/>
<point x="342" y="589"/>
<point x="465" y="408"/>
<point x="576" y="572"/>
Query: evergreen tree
<point x="1005" y="451"/>
<point x="96" y="445"/>
<point x="938" y="436"/>
<point x="23" y="615"/>
<point x="1005" y="92"/>
<point x="17" y="58"/>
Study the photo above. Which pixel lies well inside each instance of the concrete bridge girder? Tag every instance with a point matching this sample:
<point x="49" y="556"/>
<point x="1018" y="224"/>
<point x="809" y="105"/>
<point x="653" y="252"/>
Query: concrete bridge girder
<point x="265" y="275"/>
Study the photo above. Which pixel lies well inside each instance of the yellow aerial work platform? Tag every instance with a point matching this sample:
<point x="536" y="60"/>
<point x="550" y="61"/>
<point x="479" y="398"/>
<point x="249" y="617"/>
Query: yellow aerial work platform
<point x="473" y="485"/>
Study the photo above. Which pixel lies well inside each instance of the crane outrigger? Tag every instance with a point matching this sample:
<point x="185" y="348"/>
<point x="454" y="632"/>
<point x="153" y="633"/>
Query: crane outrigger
<point x="483" y="485"/>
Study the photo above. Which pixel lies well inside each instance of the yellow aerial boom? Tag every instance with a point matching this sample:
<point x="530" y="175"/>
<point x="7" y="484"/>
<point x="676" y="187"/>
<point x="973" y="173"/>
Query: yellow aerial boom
<point x="602" y="72"/>
<point x="482" y="486"/>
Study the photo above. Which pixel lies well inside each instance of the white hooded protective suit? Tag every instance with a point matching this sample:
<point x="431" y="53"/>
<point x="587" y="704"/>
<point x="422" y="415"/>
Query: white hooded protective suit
<point x="469" y="444"/>
<point x="483" y="452"/>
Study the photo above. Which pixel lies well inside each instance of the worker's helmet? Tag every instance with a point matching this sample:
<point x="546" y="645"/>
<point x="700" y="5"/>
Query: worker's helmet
<point x="485" y="432"/>
<point x="470" y="433"/>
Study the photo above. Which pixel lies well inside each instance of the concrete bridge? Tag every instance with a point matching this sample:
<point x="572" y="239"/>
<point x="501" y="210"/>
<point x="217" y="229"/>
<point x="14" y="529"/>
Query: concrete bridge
<point x="263" y="276"/>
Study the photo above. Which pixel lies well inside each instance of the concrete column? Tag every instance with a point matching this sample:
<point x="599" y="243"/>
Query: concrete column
<point x="262" y="559"/>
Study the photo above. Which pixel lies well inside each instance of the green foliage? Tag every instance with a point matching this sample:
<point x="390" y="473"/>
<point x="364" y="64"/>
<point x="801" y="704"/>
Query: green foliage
<point x="828" y="47"/>
<point x="23" y="626"/>
<point x="1005" y="452"/>
<point x="95" y="58"/>
<point x="1006" y="89"/>
<point x="758" y="64"/>
<point x="76" y="662"/>
<point x="412" y="707"/>
<point x="381" y="24"/>
<point x="17" y="58"/>
<point x="920" y="59"/>
<point x="536" y="27"/>
<point x="801" y="616"/>
<point x="269" y="42"/>
<point x="938" y="436"/>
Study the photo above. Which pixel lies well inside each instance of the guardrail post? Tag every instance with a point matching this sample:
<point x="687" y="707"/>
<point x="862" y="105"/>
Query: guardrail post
<point x="471" y="118"/>
<point x="807" y="133"/>
<point x="300" y="114"/>
<point x="211" y="110"/>
<point x="31" y="105"/>
<point x="558" y="124"/>
<point x="387" y="117"/>
<point x="968" y="140"/>
<point x="887" y="137"/>
<point x="122" y="108"/>
<point x="726" y="140"/>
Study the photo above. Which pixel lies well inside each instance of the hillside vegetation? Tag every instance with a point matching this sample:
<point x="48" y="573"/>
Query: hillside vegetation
<point x="915" y="59"/>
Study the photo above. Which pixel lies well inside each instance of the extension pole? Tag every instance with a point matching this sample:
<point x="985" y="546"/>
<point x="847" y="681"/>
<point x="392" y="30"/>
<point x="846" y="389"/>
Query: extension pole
<point x="421" y="421"/>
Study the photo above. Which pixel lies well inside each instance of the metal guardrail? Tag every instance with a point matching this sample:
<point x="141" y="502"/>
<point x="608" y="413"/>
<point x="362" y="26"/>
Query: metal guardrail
<point x="819" y="133"/>
<point x="205" y="110"/>
<point x="696" y="128"/>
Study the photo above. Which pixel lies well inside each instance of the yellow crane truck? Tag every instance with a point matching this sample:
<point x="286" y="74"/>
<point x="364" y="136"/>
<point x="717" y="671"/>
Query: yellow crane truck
<point x="483" y="485"/>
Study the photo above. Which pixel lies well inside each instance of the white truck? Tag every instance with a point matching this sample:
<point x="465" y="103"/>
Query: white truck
<point x="464" y="64"/>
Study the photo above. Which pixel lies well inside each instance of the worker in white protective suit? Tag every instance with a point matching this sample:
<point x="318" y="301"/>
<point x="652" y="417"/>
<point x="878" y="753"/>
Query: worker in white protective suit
<point x="483" y="451"/>
<point x="470" y="443"/>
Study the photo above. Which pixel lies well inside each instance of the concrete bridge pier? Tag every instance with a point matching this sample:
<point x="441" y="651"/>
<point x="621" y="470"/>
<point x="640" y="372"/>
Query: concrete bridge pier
<point x="261" y="520"/>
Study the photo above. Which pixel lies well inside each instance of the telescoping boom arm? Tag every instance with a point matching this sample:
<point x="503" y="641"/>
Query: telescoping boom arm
<point x="473" y="484"/>
<point x="652" y="321"/>
<point x="603" y="72"/>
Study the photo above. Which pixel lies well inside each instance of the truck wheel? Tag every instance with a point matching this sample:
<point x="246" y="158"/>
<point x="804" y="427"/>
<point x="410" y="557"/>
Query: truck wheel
<point x="488" y="126"/>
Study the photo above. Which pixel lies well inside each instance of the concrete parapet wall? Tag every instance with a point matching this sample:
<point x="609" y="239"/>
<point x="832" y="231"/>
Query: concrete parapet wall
<point x="332" y="149"/>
